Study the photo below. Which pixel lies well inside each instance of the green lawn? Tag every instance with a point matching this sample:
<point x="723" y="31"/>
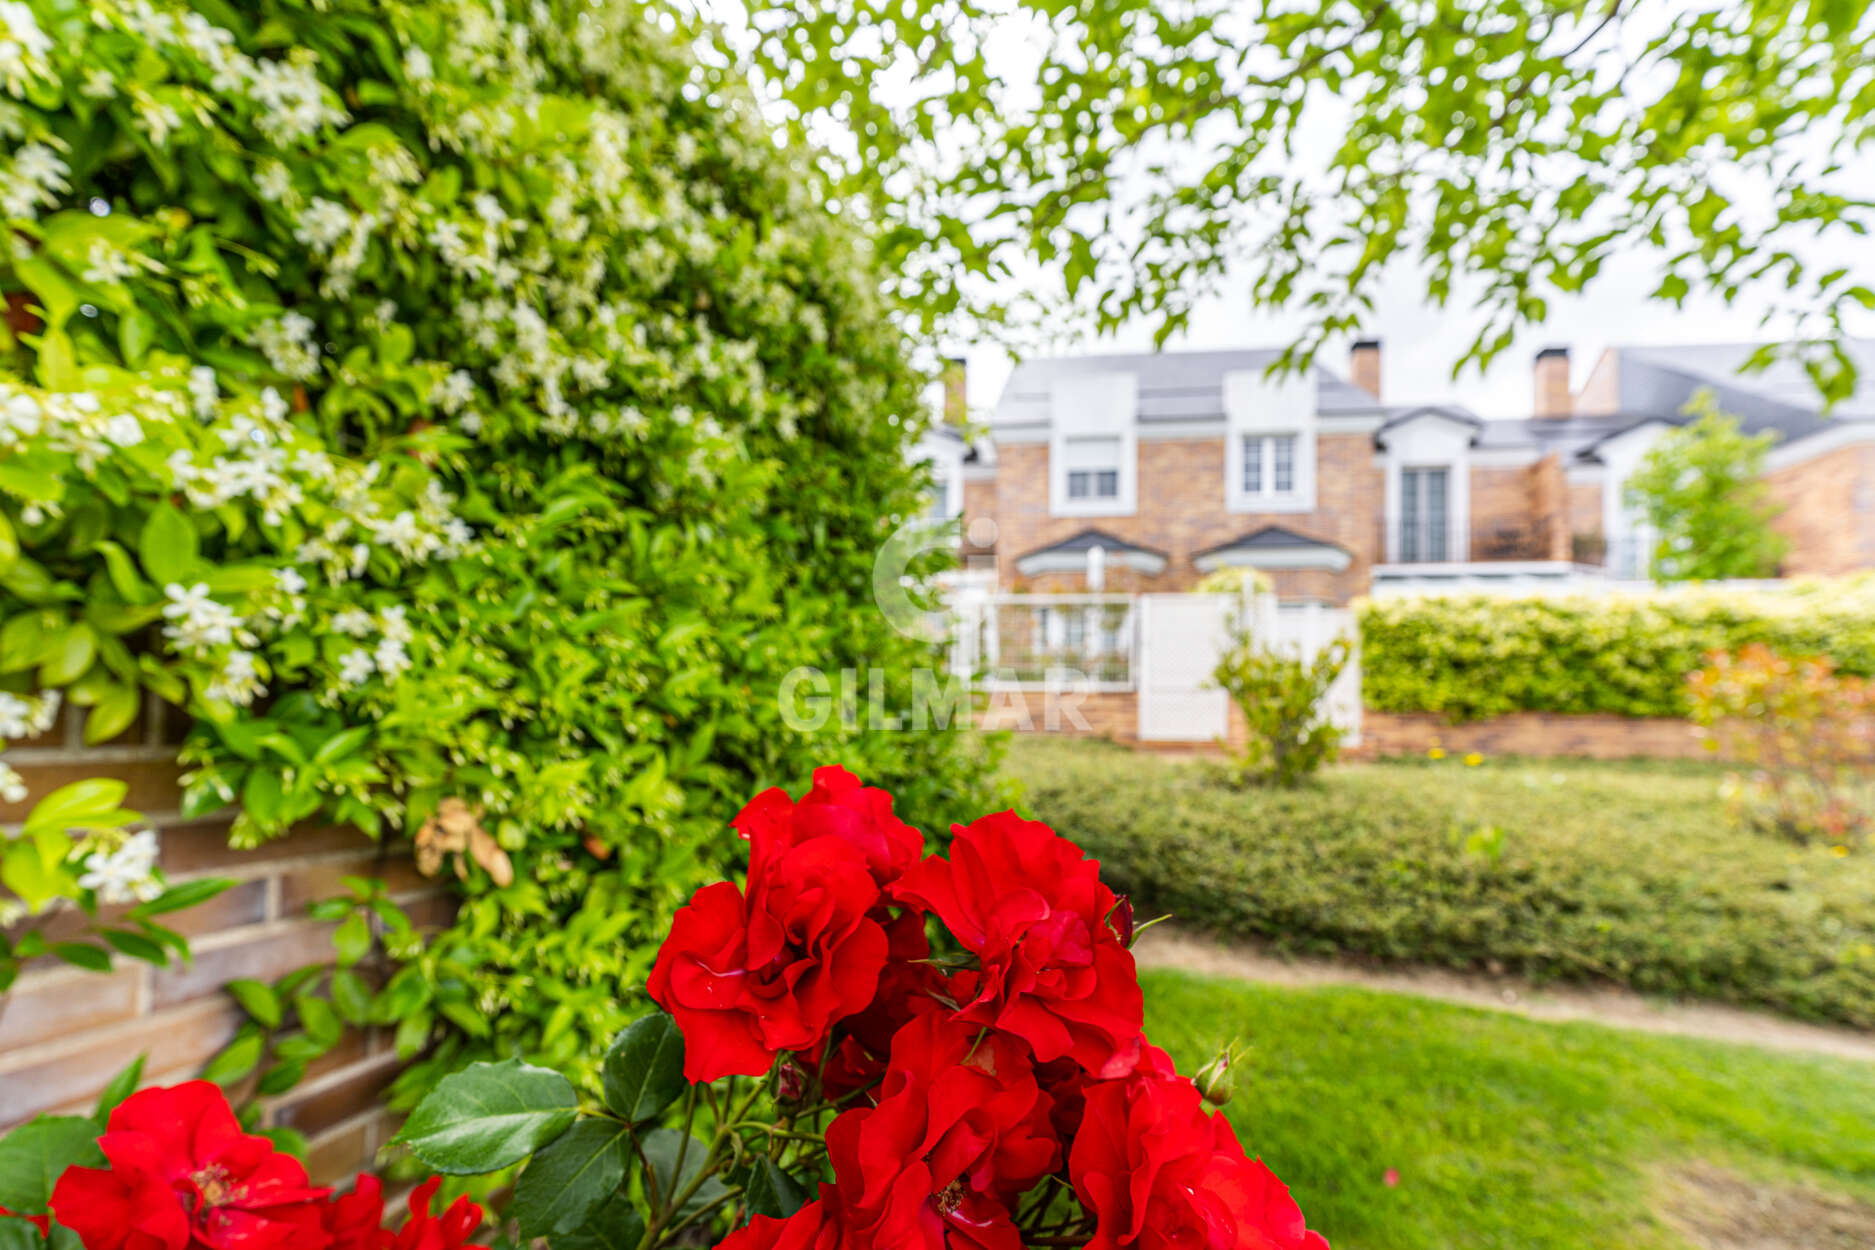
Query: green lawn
<point x="1506" y="1132"/>
<point x="1628" y="873"/>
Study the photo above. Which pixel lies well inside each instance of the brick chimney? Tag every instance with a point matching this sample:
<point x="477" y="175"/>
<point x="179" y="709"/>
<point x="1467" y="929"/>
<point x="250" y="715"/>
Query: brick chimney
<point x="1364" y="365"/>
<point x="1552" y="383"/>
<point x="956" y="406"/>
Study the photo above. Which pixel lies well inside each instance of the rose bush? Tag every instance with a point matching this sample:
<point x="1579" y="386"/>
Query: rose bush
<point x="179" y="1173"/>
<point x="864" y="1047"/>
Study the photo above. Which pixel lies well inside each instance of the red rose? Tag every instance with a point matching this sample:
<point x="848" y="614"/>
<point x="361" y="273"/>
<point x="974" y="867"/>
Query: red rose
<point x="449" y="1231"/>
<point x="747" y="978"/>
<point x="1157" y="1173"/>
<point x="960" y="1131"/>
<point x="810" y="1228"/>
<point x="1032" y="909"/>
<point x="41" y="1222"/>
<point x="908" y="987"/>
<point x="355" y="1221"/>
<point x="836" y="807"/>
<point x="184" y="1176"/>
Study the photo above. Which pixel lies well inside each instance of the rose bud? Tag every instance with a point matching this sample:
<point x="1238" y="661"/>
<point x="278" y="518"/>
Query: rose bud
<point x="790" y="1082"/>
<point x="1217" y="1080"/>
<point x="1120" y="920"/>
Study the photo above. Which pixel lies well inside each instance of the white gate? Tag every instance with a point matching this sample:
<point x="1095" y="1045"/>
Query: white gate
<point x="1180" y="639"/>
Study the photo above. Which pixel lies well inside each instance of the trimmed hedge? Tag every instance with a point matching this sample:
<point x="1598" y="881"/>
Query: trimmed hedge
<point x="1473" y="656"/>
<point x="1626" y="873"/>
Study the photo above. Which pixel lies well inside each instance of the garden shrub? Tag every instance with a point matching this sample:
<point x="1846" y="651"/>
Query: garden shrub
<point x="1804" y="736"/>
<point x="1282" y="699"/>
<point x="447" y="400"/>
<point x="1467" y="657"/>
<point x="1623" y="873"/>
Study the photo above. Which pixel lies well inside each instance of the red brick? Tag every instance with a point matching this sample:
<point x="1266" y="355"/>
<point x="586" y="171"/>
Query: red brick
<point x="1532" y="733"/>
<point x="310" y="883"/>
<point x="261" y="957"/>
<point x="183" y="1038"/>
<point x="153" y="783"/>
<point x="335" y="1157"/>
<point x="43" y="1006"/>
<point x="202" y="847"/>
<point x="339" y="1099"/>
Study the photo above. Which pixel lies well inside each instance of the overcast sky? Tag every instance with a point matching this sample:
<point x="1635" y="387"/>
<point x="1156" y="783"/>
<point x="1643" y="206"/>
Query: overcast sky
<point x="1419" y="344"/>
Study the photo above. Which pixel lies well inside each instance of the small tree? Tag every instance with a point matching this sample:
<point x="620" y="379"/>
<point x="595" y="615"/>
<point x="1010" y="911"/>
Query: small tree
<point x="1702" y="491"/>
<point x="1281" y="697"/>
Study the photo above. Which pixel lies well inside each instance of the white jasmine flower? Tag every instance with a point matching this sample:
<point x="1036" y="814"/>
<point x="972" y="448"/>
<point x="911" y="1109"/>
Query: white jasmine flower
<point x="198" y="623"/>
<point x="353" y="623"/>
<point x="355" y="667"/>
<point x="391" y="658"/>
<point x="203" y="394"/>
<point x="12" y="786"/>
<point x="238" y="682"/>
<point x="392" y="623"/>
<point x="126" y="875"/>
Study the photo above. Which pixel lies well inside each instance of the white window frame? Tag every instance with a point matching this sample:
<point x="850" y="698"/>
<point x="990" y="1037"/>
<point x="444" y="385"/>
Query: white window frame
<point x="1095" y="405"/>
<point x="1432" y="441"/>
<point x="1257" y="406"/>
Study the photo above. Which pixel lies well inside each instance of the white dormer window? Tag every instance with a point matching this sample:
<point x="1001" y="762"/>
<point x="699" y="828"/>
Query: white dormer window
<point x="1093" y="447"/>
<point x="1093" y="467"/>
<point x="1269" y="458"/>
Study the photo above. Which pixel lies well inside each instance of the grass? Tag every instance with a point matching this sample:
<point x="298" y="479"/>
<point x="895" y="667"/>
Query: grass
<point x="1507" y="1132"/>
<point x="1626" y="872"/>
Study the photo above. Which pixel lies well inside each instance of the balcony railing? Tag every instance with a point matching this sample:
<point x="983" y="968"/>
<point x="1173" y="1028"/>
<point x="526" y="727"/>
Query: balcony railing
<point x="1043" y="638"/>
<point x="1425" y="542"/>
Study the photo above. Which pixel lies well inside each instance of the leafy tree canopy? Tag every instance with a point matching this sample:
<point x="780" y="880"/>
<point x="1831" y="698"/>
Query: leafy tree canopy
<point x="1144" y="149"/>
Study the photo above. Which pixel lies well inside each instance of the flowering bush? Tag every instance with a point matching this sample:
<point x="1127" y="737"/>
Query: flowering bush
<point x="1804" y="736"/>
<point x="1474" y="656"/>
<point x="867" y="1047"/>
<point x="468" y="414"/>
<point x="173" y="1170"/>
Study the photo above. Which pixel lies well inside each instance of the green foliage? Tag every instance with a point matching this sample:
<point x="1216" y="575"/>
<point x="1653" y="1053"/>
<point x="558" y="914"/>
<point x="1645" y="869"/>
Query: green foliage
<point x="483" y="408"/>
<point x="1281" y="697"/>
<point x="1629" y="874"/>
<point x="1589" y="1134"/>
<point x="627" y="1173"/>
<point x="33" y="1155"/>
<point x="1152" y="154"/>
<point x="1702" y="490"/>
<point x="1468" y="657"/>
<point x="489" y="1116"/>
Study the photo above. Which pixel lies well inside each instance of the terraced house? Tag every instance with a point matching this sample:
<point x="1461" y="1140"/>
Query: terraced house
<point x="1145" y="472"/>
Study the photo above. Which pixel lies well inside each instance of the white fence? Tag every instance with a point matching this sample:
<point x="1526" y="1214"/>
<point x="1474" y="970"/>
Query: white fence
<point x="1161" y="647"/>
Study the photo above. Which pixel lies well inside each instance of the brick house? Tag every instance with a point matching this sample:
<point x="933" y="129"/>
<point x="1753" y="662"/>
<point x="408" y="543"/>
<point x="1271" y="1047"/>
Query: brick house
<point x="1151" y="470"/>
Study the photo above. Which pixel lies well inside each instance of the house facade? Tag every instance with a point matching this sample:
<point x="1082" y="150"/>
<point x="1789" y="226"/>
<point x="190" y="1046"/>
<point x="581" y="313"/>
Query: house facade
<point x="1145" y="472"/>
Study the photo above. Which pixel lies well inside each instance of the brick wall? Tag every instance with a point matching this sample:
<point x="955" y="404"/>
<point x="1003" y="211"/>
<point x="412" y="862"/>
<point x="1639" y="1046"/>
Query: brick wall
<point x="1828" y="512"/>
<point x="1532" y="733"/>
<point x="1113" y="715"/>
<point x="1181" y="512"/>
<point x="64" y="1031"/>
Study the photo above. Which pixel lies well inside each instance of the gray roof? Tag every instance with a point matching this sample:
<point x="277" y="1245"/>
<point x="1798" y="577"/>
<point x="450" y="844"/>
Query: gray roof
<point x="1090" y="538"/>
<point x="1656" y="384"/>
<point x="1270" y="537"/>
<point x="1173" y="386"/>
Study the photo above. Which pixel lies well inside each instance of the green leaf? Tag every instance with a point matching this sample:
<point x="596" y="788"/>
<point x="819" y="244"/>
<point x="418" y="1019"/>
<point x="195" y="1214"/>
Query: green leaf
<point x="114" y="712"/>
<point x="644" y="1068"/>
<point x="280" y="1078"/>
<point x="83" y="955"/>
<point x="767" y="1190"/>
<point x="351" y="996"/>
<point x="352" y="940"/>
<point x="121" y="1087"/>
<point x="9" y="544"/>
<point x="488" y="1116"/>
<point x="137" y="946"/>
<point x="69" y="656"/>
<point x="568" y="1179"/>
<point x="661" y="1149"/>
<point x="320" y="1021"/>
<point x="178" y="897"/>
<point x="258" y="1000"/>
<point x="237" y="1060"/>
<point x="613" y="1225"/>
<point x="33" y="1155"/>
<point x="77" y="803"/>
<point x="19" y="1235"/>
<point x="167" y="546"/>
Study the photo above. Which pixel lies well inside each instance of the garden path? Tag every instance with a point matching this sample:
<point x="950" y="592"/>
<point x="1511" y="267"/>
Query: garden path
<point x="1165" y="947"/>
